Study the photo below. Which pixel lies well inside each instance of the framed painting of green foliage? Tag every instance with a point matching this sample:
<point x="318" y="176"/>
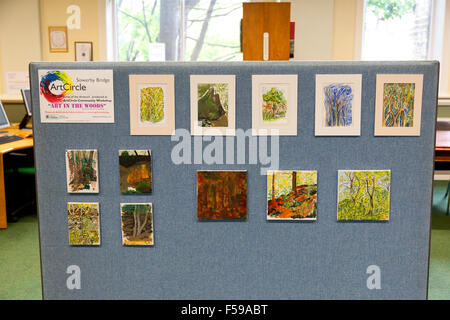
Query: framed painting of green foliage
<point x="338" y="105"/>
<point x="82" y="171"/>
<point x="83" y="223"/>
<point x="137" y="224"/>
<point x="291" y="195"/>
<point x="274" y="105"/>
<point x="213" y="105"/>
<point x="221" y="195"/>
<point x="152" y="104"/>
<point x="135" y="168"/>
<point x="364" y="195"/>
<point x="398" y="104"/>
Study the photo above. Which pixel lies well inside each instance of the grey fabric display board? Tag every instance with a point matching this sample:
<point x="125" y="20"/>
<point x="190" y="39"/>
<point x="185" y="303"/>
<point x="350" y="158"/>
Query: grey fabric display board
<point x="255" y="258"/>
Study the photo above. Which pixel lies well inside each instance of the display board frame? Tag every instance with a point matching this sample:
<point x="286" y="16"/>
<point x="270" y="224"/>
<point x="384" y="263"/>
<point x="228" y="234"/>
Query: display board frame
<point x="254" y="258"/>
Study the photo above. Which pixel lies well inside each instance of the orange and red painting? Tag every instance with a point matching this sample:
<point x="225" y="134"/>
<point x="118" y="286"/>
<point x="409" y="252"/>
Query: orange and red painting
<point x="221" y="195"/>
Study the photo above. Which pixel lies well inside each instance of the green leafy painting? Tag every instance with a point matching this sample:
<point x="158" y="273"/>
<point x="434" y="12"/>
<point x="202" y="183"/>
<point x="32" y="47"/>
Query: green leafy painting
<point x="151" y="105"/>
<point x="84" y="223"/>
<point x="363" y="195"/>
<point x="274" y="105"/>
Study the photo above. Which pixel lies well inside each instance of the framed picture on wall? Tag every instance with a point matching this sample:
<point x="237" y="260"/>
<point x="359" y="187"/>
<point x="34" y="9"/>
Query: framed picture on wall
<point x="274" y="104"/>
<point x="338" y="105"/>
<point x="83" y="51"/>
<point x="398" y="104"/>
<point x="213" y="105"/>
<point x="58" y="39"/>
<point x="152" y="104"/>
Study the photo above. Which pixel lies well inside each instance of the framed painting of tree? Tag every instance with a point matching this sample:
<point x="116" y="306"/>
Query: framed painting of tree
<point x="274" y="105"/>
<point x="364" y="195"/>
<point x="213" y="105"/>
<point x="291" y="195"/>
<point x="338" y="105"/>
<point x="398" y="104"/>
<point x="152" y="104"/>
<point x="82" y="171"/>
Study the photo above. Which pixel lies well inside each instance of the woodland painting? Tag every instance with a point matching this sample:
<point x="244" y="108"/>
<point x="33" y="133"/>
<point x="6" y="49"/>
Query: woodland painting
<point x="363" y="195"/>
<point x="338" y="105"/>
<point x="221" y="195"/>
<point x="212" y="104"/>
<point x="398" y="104"/>
<point x="137" y="224"/>
<point x="274" y="103"/>
<point x="291" y="195"/>
<point x="151" y="107"/>
<point x="84" y="223"/>
<point x="135" y="167"/>
<point x="82" y="171"/>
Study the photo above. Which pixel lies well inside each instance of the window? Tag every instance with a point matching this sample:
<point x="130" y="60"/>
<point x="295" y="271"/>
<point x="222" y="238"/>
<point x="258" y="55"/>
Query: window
<point x="191" y="30"/>
<point x="396" y="29"/>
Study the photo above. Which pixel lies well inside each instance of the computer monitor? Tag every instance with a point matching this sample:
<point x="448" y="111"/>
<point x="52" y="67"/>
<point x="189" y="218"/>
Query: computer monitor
<point x="27" y="102"/>
<point x="4" y="122"/>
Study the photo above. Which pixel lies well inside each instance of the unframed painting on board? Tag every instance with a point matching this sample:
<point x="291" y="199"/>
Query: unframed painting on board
<point x="135" y="168"/>
<point x="83" y="221"/>
<point x="137" y="224"/>
<point x="82" y="171"/>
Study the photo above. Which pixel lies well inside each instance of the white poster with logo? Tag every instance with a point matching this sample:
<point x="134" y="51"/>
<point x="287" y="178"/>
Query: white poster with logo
<point x="76" y="96"/>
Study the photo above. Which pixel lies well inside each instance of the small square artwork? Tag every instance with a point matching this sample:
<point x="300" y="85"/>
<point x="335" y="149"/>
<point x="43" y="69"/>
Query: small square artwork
<point x="221" y="195"/>
<point x="84" y="223"/>
<point x="291" y="195"/>
<point x="135" y="167"/>
<point x="212" y="104"/>
<point x="82" y="171"/>
<point x="338" y="104"/>
<point x="398" y="104"/>
<point x="152" y="104"/>
<point x="274" y="105"/>
<point x="137" y="224"/>
<point x="363" y="195"/>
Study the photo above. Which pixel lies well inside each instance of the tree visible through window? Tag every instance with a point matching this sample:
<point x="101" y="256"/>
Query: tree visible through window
<point x="396" y="29"/>
<point x="193" y="30"/>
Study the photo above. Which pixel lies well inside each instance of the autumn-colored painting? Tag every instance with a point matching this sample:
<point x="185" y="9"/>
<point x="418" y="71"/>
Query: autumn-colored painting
<point x="82" y="171"/>
<point x="135" y="171"/>
<point x="291" y="195"/>
<point x="137" y="224"/>
<point x="221" y="195"/>
<point x="364" y="194"/>
<point x="398" y="104"/>
<point x="84" y="223"/>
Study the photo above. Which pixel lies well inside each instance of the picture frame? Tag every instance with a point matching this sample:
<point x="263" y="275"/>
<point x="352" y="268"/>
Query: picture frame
<point x="57" y="36"/>
<point x="152" y="104"/>
<point x="398" y="104"/>
<point x="338" y="105"/>
<point x="213" y="105"/>
<point x="83" y="51"/>
<point x="277" y="117"/>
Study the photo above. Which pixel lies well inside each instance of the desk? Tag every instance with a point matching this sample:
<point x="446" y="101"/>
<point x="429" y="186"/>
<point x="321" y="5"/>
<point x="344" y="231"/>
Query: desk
<point x="5" y="148"/>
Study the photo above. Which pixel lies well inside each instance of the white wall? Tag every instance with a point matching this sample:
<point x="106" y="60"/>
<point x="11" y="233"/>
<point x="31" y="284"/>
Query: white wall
<point x="313" y="29"/>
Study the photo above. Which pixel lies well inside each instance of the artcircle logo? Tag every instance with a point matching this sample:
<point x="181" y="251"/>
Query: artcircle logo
<point x="55" y="85"/>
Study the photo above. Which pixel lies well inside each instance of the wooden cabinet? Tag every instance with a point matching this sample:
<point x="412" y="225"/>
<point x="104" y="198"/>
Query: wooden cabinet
<point x="259" y="18"/>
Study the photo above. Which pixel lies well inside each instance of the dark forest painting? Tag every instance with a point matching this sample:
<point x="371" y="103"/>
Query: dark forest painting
<point x="222" y="195"/>
<point x="82" y="170"/>
<point x="135" y="171"/>
<point x="137" y="223"/>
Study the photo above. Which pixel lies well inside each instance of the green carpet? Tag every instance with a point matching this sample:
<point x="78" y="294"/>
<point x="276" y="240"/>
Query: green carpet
<point x="20" y="269"/>
<point x="20" y="265"/>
